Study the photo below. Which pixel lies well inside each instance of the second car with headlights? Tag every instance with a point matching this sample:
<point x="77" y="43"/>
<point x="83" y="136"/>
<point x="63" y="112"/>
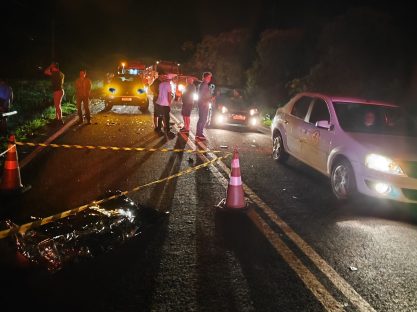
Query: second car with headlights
<point x="363" y="146"/>
<point x="233" y="108"/>
<point x="126" y="90"/>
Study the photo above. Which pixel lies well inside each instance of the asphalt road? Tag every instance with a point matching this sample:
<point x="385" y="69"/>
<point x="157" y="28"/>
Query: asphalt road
<point x="295" y="249"/>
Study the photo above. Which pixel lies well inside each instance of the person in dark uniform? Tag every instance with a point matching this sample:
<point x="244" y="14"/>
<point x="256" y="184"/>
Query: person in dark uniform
<point x="204" y="98"/>
<point x="6" y="100"/>
<point x="187" y="103"/>
<point x="157" y="115"/>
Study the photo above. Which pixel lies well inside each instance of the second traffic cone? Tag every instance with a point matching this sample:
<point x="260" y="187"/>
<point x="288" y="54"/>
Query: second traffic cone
<point x="235" y="198"/>
<point x="11" y="173"/>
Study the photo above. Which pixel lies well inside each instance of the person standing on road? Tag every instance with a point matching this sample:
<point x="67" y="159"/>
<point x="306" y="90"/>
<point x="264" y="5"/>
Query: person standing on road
<point x="82" y="94"/>
<point x="157" y="117"/>
<point x="57" y="80"/>
<point x="187" y="103"/>
<point x="6" y="100"/>
<point x="164" y="100"/>
<point x="204" y="97"/>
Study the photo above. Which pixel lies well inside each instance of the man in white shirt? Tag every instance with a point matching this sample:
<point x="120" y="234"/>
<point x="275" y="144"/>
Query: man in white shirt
<point x="164" y="100"/>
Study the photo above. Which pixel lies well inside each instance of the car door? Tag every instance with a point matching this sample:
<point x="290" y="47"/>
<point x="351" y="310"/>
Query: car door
<point x="316" y="147"/>
<point x="295" y="124"/>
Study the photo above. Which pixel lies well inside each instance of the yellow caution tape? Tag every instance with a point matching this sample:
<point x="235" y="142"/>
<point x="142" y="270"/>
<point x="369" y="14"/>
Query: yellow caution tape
<point x="25" y="227"/>
<point x="115" y="148"/>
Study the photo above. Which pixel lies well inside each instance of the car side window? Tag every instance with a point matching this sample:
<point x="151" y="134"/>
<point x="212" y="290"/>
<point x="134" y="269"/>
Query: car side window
<point x="300" y="107"/>
<point x="319" y="111"/>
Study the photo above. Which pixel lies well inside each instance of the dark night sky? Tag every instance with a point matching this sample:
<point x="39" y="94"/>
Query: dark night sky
<point x="95" y="32"/>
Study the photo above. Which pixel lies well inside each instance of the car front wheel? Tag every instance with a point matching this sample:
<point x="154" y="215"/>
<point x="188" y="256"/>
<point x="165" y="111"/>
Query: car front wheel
<point x="342" y="180"/>
<point x="278" y="152"/>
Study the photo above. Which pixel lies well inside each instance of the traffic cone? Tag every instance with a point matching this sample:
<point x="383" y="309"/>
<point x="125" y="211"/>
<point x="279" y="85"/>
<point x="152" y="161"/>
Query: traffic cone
<point x="235" y="198"/>
<point x="11" y="180"/>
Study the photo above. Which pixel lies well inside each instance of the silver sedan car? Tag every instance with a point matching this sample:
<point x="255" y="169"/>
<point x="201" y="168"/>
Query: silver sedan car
<point x="363" y="146"/>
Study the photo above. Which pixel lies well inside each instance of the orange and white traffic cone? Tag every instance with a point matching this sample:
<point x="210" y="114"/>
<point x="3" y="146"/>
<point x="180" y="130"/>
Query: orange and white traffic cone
<point x="235" y="198"/>
<point x="11" y="180"/>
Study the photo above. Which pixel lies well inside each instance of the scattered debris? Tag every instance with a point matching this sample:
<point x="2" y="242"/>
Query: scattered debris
<point x="111" y="123"/>
<point x="352" y="268"/>
<point x="223" y="146"/>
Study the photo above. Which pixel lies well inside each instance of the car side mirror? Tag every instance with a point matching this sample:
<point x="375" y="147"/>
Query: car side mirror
<point x="324" y="124"/>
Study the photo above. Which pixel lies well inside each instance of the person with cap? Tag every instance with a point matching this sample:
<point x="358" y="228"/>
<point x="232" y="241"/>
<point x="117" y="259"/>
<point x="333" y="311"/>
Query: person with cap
<point x="57" y="81"/>
<point x="164" y="100"/>
<point x="187" y="103"/>
<point x="204" y="98"/>
<point x="82" y="94"/>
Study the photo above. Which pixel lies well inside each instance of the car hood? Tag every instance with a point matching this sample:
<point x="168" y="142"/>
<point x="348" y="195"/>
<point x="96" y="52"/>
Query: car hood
<point x="398" y="147"/>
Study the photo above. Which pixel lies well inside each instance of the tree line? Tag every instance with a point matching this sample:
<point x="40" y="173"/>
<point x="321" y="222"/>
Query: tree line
<point x="362" y="53"/>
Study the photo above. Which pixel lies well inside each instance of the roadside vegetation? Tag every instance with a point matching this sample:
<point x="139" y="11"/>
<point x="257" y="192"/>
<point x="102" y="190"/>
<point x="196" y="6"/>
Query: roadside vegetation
<point x="361" y="53"/>
<point x="35" y="108"/>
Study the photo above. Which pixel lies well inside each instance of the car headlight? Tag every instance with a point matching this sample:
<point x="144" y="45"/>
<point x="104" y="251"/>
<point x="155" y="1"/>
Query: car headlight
<point x="181" y="88"/>
<point x="384" y="164"/>
<point x="224" y="110"/>
<point x="195" y="96"/>
<point x="112" y="90"/>
<point x="253" y="111"/>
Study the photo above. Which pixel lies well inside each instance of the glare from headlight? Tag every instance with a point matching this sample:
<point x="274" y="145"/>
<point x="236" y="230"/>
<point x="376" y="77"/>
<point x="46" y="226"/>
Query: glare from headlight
<point x="224" y="109"/>
<point x="382" y="163"/>
<point x="181" y="88"/>
<point x="253" y="111"/>
<point x="253" y="121"/>
<point x="195" y="96"/>
<point x="382" y="188"/>
<point x="220" y="119"/>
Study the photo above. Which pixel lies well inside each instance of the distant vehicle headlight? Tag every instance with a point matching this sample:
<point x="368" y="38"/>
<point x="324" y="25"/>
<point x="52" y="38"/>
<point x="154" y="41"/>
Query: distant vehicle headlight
<point x="195" y="96"/>
<point x="224" y="109"/>
<point x="112" y="90"/>
<point x="253" y="111"/>
<point x="181" y="88"/>
<point x="384" y="164"/>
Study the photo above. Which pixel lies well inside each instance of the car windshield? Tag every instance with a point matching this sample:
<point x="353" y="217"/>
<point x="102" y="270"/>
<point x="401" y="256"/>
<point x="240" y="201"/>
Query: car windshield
<point x="234" y="100"/>
<point x="237" y="103"/>
<point x="128" y="78"/>
<point x="377" y="119"/>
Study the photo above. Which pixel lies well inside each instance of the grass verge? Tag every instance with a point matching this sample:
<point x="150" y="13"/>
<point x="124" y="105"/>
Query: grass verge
<point x="30" y="128"/>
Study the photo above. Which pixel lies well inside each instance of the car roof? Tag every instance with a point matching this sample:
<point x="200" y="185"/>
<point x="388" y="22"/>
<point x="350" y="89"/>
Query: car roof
<point x="344" y="99"/>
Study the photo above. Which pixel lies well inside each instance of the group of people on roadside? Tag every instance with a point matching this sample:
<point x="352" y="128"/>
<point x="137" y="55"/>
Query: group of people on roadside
<point x="163" y="96"/>
<point x="82" y="92"/>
